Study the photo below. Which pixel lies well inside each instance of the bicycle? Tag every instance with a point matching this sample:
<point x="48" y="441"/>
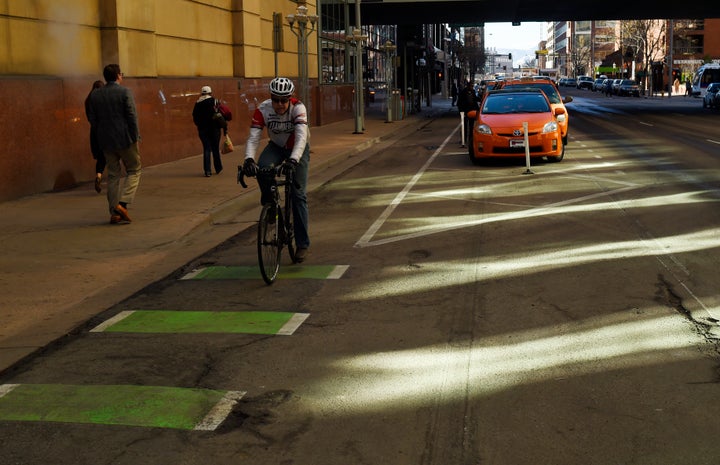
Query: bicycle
<point x="275" y="225"/>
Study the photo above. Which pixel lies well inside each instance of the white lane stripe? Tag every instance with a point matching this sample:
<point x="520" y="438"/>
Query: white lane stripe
<point x="712" y="141"/>
<point x="193" y="273"/>
<point x="363" y="241"/>
<point x="292" y="324"/>
<point x="219" y="412"/>
<point x="7" y="388"/>
<point x="109" y="322"/>
<point x="338" y="271"/>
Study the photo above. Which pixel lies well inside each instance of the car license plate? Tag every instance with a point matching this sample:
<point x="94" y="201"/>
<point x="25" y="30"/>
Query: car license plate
<point x="517" y="142"/>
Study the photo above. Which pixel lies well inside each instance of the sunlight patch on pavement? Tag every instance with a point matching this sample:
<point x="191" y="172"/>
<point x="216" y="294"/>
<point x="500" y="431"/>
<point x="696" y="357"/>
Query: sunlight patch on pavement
<point x="397" y="280"/>
<point x="482" y="367"/>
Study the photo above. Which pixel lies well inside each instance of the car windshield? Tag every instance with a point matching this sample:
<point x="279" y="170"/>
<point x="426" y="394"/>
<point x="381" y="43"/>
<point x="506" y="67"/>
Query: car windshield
<point x="628" y="82"/>
<point x="501" y="104"/>
<point x="549" y="89"/>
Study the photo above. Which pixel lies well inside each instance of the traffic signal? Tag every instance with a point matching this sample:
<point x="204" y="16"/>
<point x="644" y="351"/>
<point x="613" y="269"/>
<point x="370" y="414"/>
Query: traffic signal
<point x="509" y="56"/>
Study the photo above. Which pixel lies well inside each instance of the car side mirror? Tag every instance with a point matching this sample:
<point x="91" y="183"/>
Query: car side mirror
<point x="559" y="111"/>
<point x="567" y="99"/>
<point x="472" y="114"/>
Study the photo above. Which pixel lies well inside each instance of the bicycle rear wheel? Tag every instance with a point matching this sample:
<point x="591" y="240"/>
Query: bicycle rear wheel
<point x="268" y="243"/>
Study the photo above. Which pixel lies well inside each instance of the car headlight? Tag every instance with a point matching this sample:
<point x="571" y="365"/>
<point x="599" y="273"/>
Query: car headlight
<point x="550" y="127"/>
<point x="483" y="129"/>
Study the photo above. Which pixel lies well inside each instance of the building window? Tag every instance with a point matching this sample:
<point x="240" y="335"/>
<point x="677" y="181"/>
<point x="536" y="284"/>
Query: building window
<point x="337" y="54"/>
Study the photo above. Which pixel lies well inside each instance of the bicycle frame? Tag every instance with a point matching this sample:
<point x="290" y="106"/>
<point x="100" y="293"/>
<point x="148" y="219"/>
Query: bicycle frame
<point x="275" y="225"/>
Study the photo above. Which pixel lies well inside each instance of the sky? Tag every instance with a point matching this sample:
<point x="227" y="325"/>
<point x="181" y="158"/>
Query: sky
<point x="504" y="37"/>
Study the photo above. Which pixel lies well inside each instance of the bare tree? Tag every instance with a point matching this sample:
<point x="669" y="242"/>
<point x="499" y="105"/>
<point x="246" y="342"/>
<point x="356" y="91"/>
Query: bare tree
<point x="580" y="56"/>
<point x="645" y="38"/>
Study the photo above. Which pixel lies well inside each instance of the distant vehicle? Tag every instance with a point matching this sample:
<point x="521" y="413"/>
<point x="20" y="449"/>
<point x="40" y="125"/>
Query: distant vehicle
<point x="628" y="87"/>
<point x="615" y="85"/>
<point x="607" y="85"/>
<point x="712" y="96"/>
<point x="597" y="85"/>
<point x="584" y="82"/>
<point x="705" y="75"/>
<point x="567" y="82"/>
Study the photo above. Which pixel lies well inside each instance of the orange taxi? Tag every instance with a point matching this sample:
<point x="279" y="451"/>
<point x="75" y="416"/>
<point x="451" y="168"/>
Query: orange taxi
<point x="498" y="129"/>
<point x="548" y="86"/>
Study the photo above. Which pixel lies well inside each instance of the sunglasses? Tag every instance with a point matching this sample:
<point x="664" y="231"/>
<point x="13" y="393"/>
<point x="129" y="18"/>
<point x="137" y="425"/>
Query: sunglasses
<point x="282" y="100"/>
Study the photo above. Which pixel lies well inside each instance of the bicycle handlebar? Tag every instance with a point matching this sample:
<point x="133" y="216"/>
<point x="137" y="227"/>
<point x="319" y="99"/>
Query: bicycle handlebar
<point x="269" y="169"/>
<point x="241" y="177"/>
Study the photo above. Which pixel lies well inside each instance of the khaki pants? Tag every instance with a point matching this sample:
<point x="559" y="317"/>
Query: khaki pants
<point x="130" y="158"/>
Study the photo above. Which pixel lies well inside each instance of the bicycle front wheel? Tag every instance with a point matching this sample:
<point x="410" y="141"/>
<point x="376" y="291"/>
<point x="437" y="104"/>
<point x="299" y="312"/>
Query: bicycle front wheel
<point x="268" y="243"/>
<point x="289" y="228"/>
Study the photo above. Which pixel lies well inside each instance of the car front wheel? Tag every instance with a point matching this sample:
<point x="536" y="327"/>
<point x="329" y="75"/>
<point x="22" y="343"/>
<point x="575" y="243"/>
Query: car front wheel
<point x="559" y="157"/>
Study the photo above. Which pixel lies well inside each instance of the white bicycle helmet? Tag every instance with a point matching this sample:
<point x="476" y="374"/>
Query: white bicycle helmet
<point x="282" y="87"/>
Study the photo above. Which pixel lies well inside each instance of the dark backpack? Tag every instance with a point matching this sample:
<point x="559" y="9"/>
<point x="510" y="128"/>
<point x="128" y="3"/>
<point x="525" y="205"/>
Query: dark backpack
<point x="466" y="100"/>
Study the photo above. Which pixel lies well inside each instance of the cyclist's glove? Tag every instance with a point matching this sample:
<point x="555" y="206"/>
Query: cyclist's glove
<point x="288" y="166"/>
<point x="250" y="168"/>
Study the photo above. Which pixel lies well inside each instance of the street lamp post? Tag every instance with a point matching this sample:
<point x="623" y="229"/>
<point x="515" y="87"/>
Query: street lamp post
<point x="357" y="39"/>
<point x="301" y="19"/>
<point x="389" y="50"/>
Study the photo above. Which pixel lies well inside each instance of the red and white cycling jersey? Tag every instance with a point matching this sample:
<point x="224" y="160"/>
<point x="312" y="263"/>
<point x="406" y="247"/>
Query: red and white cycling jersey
<point x="289" y="130"/>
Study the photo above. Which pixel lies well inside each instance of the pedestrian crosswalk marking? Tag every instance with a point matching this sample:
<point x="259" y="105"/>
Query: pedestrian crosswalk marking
<point x="127" y="405"/>
<point x="253" y="272"/>
<point x="183" y="321"/>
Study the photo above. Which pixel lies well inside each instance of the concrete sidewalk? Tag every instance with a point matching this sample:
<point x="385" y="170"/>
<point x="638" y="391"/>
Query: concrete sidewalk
<point x="63" y="263"/>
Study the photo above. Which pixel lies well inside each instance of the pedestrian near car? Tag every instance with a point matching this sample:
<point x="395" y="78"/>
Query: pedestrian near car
<point x="467" y="101"/>
<point x="454" y="93"/>
<point x="285" y="118"/>
<point x="112" y="111"/>
<point x="688" y="87"/>
<point x="209" y="129"/>
<point x="95" y="150"/>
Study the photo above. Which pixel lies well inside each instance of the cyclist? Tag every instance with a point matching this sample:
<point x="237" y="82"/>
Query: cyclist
<point x="285" y="118"/>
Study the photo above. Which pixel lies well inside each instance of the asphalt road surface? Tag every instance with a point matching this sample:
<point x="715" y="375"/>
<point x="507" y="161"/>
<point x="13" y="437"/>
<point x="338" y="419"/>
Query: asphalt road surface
<point x="447" y="314"/>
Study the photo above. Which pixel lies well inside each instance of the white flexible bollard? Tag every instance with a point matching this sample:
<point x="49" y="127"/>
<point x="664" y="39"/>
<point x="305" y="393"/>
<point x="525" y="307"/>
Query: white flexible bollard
<point x="527" y="149"/>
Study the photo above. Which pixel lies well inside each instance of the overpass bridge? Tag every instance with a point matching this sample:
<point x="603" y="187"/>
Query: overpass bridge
<point x="476" y="12"/>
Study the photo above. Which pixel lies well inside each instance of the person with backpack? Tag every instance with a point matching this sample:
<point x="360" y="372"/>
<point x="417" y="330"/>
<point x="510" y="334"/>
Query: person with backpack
<point x="209" y="129"/>
<point x="467" y="101"/>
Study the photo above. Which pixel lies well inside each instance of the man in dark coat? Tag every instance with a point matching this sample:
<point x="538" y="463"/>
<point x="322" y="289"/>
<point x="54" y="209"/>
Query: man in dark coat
<point x="112" y="111"/>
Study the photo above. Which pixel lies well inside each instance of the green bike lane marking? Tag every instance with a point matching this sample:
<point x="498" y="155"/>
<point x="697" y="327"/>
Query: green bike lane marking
<point x="252" y="272"/>
<point x="171" y="321"/>
<point x="126" y="405"/>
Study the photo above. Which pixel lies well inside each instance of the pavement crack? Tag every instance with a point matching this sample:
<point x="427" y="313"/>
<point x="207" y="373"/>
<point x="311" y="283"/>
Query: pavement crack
<point x="668" y="295"/>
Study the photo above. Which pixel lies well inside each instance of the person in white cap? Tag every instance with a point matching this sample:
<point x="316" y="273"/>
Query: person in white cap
<point x="208" y="130"/>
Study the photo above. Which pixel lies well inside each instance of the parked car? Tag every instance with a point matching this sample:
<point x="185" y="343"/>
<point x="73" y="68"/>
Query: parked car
<point x="553" y="94"/>
<point x="597" y="84"/>
<point x="712" y="96"/>
<point x="584" y="82"/>
<point x="614" y="86"/>
<point x="498" y="126"/>
<point x="570" y="82"/>
<point x="628" y="87"/>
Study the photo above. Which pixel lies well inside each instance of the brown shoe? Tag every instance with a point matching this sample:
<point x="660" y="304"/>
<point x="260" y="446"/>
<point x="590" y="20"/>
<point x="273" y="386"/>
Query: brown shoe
<point x="122" y="211"/>
<point x="301" y="254"/>
<point x="115" y="219"/>
<point x="98" y="187"/>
